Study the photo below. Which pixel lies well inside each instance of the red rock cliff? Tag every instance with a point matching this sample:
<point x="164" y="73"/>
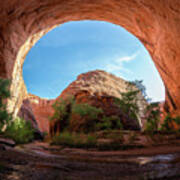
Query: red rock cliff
<point x="96" y="88"/>
<point x="156" y="23"/>
<point x="99" y="88"/>
<point x="38" y="110"/>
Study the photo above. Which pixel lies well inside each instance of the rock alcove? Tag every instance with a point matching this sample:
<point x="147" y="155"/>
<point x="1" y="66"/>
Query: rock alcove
<point x="155" y="23"/>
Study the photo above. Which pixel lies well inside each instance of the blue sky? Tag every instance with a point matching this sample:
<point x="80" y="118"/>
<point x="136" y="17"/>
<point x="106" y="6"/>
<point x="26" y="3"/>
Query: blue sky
<point x="77" y="47"/>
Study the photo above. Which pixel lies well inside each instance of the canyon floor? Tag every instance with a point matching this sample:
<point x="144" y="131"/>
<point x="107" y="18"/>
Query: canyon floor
<point x="39" y="161"/>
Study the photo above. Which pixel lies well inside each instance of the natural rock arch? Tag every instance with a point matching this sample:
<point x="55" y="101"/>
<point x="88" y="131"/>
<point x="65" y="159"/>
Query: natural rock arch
<point x="155" y="23"/>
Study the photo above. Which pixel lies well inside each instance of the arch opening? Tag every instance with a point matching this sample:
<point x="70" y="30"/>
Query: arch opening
<point x="77" y="47"/>
<point x="155" y="24"/>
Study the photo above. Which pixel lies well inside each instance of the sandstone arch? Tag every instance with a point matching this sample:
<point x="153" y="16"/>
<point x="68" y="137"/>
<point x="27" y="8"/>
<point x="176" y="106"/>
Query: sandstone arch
<point x="155" y="23"/>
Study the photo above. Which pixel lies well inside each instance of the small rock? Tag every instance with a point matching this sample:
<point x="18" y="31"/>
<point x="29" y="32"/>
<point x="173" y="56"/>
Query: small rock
<point x="8" y="142"/>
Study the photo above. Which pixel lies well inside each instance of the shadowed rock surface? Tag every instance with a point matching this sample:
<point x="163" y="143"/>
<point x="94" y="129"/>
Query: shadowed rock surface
<point x="39" y="161"/>
<point x="99" y="89"/>
<point x="26" y="112"/>
<point x="155" y="23"/>
<point x="38" y="111"/>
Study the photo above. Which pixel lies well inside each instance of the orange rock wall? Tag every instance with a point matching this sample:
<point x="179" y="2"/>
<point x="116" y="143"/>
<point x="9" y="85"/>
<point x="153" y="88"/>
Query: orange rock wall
<point x="42" y="110"/>
<point x="155" y="22"/>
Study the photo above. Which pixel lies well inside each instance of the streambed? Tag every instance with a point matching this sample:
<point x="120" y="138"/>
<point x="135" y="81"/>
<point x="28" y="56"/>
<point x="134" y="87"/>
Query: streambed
<point x="39" y="161"/>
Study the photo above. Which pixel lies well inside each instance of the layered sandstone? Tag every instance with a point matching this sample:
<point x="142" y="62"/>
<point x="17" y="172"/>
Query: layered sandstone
<point x="99" y="89"/>
<point x="37" y="109"/>
<point x="100" y="83"/>
<point x="156" y="23"/>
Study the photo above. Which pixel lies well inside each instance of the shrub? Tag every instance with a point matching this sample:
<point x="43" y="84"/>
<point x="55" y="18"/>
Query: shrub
<point x="74" y="140"/>
<point x="91" y="141"/>
<point x="62" y="111"/>
<point x="20" y="131"/>
<point x="64" y="138"/>
<point x="167" y="123"/>
<point x="5" y="117"/>
<point x="177" y="120"/>
<point x="139" y="84"/>
<point x="86" y="110"/>
<point x="88" y="117"/>
<point x="109" y="123"/>
<point x="128" y="103"/>
<point x="153" y="118"/>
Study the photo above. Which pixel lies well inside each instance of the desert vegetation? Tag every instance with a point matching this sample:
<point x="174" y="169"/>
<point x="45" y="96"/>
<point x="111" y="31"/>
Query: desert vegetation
<point x="5" y="117"/>
<point x="79" y="122"/>
<point x="87" y="126"/>
<point x="83" y="117"/>
<point x="17" y="129"/>
<point x="20" y="131"/>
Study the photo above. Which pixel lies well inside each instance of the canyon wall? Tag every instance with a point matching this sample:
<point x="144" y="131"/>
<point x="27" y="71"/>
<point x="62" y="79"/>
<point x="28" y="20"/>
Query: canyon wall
<point x="102" y="84"/>
<point x="37" y="109"/>
<point x="97" y="88"/>
<point x="156" y="23"/>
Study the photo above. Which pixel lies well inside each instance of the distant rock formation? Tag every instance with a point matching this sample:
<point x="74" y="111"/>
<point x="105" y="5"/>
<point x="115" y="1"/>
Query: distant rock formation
<point x="27" y="114"/>
<point x="97" y="88"/>
<point x="37" y="110"/>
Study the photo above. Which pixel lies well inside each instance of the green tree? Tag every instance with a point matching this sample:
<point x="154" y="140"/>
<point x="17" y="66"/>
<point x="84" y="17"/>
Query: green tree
<point x="5" y="117"/>
<point x="62" y="111"/>
<point x="89" y="116"/>
<point x="139" y="84"/>
<point x="109" y="123"/>
<point x="153" y="118"/>
<point x="86" y="110"/>
<point x="128" y="103"/>
<point x="20" y="131"/>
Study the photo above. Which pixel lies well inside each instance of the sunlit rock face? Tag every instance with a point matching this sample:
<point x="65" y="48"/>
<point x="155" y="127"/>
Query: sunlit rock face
<point x="27" y="114"/>
<point x="38" y="110"/>
<point x="99" y="89"/>
<point x="100" y="83"/>
<point x="155" y="23"/>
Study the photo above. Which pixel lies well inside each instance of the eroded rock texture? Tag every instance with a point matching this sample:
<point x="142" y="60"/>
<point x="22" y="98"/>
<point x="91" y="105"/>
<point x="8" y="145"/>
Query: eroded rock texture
<point x="38" y="111"/>
<point x="27" y="113"/>
<point x="156" y="23"/>
<point x="100" y="83"/>
<point x="99" y="89"/>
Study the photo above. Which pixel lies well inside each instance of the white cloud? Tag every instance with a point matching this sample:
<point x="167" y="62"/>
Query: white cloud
<point x="116" y="66"/>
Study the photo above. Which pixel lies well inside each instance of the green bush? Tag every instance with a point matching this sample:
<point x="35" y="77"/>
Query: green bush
<point x="20" y="131"/>
<point x="89" y="117"/>
<point x="166" y="126"/>
<point x="177" y="120"/>
<point x="5" y="117"/>
<point x="86" y="110"/>
<point x="62" y="111"/>
<point x="91" y="141"/>
<point x="153" y="118"/>
<point x="65" y="138"/>
<point x="109" y="123"/>
<point x="74" y="140"/>
<point x="128" y="103"/>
